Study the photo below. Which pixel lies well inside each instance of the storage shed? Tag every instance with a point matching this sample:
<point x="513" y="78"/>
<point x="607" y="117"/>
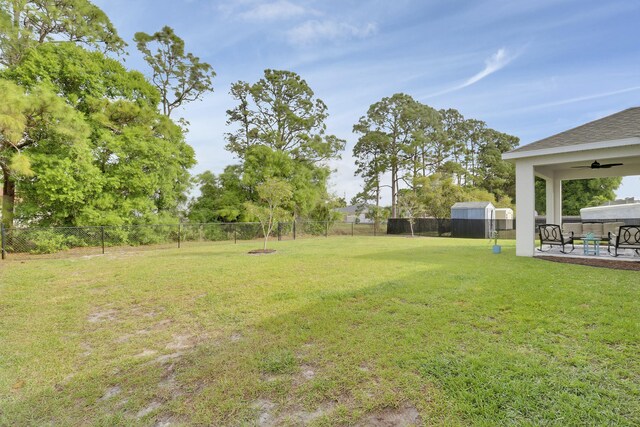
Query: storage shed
<point x="472" y="219"/>
<point x="504" y="218"/>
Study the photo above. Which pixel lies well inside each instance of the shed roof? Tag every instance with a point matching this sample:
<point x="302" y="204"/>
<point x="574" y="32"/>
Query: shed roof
<point x="471" y="205"/>
<point x="622" y="125"/>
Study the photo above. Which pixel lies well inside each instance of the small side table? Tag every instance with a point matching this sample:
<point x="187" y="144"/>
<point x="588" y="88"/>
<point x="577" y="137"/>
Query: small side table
<point x="591" y="246"/>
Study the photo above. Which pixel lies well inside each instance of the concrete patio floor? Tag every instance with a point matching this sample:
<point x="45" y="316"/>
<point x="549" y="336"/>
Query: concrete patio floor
<point x="624" y="254"/>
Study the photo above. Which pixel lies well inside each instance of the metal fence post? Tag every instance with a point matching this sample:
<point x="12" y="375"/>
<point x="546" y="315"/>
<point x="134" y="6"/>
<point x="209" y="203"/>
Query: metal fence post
<point x="374" y="228"/>
<point x="2" y="233"/>
<point x="353" y="224"/>
<point x="102" y="238"/>
<point x="279" y="231"/>
<point x="235" y="233"/>
<point x="294" y="229"/>
<point x="179" y="233"/>
<point x="326" y="229"/>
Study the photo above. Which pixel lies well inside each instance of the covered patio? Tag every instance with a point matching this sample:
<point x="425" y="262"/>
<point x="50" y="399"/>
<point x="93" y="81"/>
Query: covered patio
<point x="605" y="147"/>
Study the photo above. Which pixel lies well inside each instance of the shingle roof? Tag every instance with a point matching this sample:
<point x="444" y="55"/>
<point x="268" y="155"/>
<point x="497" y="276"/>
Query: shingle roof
<point x="471" y="205"/>
<point x="622" y="125"/>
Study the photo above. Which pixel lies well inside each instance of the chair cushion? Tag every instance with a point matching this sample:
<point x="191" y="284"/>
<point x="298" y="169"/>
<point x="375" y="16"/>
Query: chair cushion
<point x="592" y="227"/>
<point x="576" y="227"/>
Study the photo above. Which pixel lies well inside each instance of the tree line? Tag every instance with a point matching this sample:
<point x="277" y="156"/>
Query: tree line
<point x="85" y="141"/>
<point x="407" y="141"/>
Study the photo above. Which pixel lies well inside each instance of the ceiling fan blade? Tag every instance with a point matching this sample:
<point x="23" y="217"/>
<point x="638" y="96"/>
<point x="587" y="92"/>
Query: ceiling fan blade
<point x="581" y="167"/>
<point x="609" y="165"/>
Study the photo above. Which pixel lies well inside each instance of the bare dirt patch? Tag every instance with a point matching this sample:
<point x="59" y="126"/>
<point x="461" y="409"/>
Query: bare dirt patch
<point x="303" y="417"/>
<point x="168" y="357"/>
<point x="266" y="407"/>
<point x="123" y="338"/>
<point x="146" y="353"/>
<point x="111" y="392"/>
<point x="268" y="418"/>
<point x="166" y="421"/>
<point x="169" y="386"/>
<point x="403" y="416"/>
<point x="87" y="349"/>
<point x="102" y="316"/>
<point x="602" y="263"/>
<point x="307" y="372"/>
<point x="181" y="342"/>
<point x="148" y="409"/>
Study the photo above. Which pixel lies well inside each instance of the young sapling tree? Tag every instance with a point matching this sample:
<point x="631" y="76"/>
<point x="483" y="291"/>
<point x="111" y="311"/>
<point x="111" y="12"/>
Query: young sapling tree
<point x="274" y="194"/>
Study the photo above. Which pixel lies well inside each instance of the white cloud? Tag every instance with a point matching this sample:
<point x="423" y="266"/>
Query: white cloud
<point x="277" y="10"/>
<point x="494" y="63"/>
<point x="314" y="31"/>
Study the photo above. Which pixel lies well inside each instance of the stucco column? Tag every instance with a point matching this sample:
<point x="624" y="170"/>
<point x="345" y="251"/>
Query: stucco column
<point x="525" y="208"/>
<point x="554" y="201"/>
<point x="550" y="211"/>
<point x="557" y="201"/>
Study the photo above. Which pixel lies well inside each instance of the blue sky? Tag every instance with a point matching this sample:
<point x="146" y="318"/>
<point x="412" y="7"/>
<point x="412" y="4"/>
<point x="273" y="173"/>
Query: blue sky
<point x="527" y="68"/>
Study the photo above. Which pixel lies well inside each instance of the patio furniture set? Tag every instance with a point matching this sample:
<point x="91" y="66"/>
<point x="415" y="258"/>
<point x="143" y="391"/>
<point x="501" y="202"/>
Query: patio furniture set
<point x="617" y="236"/>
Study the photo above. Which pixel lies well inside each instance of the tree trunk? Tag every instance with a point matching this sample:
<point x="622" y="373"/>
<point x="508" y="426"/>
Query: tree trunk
<point x="8" y="199"/>
<point x="376" y="220"/>
<point x="394" y="183"/>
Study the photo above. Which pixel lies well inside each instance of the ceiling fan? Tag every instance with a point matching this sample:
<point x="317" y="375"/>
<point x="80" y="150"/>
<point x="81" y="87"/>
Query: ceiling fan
<point x="596" y="165"/>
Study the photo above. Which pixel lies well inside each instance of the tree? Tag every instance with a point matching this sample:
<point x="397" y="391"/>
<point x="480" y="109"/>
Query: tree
<point x="221" y="197"/>
<point x="409" y="206"/>
<point x="494" y="174"/>
<point x="391" y="128"/>
<point x="454" y="130"/>
<point x="438" y="193"/>
<point x="273" y="194"/>
<point x="139" y="157"/>
<point x="180" y="77"/>
<point x="280" y="112"/>
<point x="324" y="210"/>
<point x="280" y="132"/>
<point x="579" y="193"/>
<point x="27" y="23"/>
<point x="307" y="181"/>
<point x="424" y="151"/>
<point x="30" y="123"/>
<point x="371" y="162"/>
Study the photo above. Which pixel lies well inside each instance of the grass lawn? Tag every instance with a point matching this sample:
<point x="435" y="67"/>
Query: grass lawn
<point x="344" y="330"/>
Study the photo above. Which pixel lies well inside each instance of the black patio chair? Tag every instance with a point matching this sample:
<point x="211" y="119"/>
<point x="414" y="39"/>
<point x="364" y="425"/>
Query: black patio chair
<point x="627" y="237"/>
<point x="551" y="234"/>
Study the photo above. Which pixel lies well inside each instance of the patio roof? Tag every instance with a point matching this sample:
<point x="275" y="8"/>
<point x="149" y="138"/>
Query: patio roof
<point x="568" y="155"/>
<point x="618" y="129"/>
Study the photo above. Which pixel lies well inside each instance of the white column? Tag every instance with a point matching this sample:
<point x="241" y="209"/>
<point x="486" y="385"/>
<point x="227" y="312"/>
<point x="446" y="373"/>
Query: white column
<point x="525" y="209"/>
<point x="554" y="200"/>
<point x="550" y="211"/>
<point x="557" y="201"/>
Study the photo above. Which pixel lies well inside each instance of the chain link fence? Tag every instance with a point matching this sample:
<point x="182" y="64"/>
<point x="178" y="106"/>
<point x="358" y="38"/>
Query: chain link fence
<point x="31" y="242"/>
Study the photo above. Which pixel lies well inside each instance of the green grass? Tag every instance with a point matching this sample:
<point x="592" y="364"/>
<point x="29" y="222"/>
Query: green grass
<point x="326" y="331"/>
